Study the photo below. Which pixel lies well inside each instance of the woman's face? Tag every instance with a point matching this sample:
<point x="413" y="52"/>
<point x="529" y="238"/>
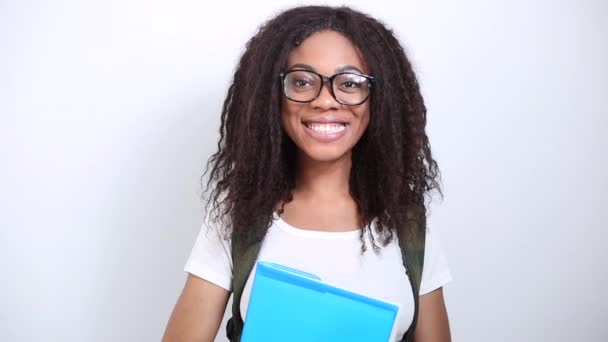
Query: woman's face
<point x="324" y="129"/>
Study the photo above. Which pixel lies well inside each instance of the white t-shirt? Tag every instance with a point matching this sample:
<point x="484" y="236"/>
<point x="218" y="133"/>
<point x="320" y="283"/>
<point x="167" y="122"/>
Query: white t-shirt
<point x="333" y="256"/>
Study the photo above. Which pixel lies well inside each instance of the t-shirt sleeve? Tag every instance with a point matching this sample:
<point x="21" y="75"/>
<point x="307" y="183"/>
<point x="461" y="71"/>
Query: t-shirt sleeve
<point x="435" y="271"/>
<point x="211" y="258"/>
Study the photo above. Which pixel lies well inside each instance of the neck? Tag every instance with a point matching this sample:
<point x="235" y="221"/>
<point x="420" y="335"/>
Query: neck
<point x="323" y="179"/>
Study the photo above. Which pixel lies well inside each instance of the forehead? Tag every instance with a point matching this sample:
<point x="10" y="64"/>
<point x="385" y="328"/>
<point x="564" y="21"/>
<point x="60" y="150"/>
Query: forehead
<point x="327" y="52"/>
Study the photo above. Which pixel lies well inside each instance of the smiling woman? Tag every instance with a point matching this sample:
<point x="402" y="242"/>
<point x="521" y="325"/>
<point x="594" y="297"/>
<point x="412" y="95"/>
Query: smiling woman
<point x="323" y="154"/>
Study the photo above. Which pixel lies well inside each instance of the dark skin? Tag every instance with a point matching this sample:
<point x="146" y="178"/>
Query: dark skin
<point x="198" y="313"/>
<point x="321" y="187"/>
<point x="433" y="324"/>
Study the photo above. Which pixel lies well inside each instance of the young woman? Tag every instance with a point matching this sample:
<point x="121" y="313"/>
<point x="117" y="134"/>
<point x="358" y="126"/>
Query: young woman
<point x="322" y="153"/>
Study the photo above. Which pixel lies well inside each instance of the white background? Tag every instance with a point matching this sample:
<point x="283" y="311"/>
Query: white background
<point x="109" y="110"/>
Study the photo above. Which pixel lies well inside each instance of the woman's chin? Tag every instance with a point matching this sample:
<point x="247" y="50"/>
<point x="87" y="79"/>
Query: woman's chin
<point x="325" y="155"/>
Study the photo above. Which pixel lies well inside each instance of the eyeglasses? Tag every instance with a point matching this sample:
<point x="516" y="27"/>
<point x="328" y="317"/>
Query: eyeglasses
<point x="347" y="88"/>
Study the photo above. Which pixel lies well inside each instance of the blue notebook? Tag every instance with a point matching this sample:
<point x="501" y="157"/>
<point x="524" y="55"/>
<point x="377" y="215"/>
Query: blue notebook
<point x="291" y="305"/>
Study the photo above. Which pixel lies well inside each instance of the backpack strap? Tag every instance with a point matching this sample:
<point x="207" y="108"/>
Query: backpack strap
<point x="411" y="242"/>
<point x="243" y="260"/>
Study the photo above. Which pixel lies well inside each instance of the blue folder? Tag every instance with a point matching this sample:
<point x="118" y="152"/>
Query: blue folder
<point x="291" y="305"/>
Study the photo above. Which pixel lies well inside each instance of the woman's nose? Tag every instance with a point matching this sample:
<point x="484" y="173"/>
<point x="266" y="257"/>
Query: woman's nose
<point x="325" y="100"/>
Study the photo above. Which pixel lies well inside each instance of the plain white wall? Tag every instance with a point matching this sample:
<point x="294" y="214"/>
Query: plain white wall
<point x="109" y="110"/>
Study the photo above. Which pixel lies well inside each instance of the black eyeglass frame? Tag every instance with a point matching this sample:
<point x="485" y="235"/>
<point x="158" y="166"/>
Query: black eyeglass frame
<point x="330" y="80"/>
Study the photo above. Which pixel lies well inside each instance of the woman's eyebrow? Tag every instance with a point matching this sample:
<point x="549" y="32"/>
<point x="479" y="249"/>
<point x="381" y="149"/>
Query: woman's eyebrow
<point x="348" y="68"/>
<point x="302" y="66"/>
<point x="343" y="68"/>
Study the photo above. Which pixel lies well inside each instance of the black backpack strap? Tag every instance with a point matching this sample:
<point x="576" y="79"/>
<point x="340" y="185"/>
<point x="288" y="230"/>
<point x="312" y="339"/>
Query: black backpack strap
<point x="411" y="242"/>
<point x="243" y="260"/>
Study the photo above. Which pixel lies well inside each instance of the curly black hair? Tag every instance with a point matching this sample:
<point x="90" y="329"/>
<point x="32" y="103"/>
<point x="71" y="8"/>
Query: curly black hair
<point x="254" y="166"/>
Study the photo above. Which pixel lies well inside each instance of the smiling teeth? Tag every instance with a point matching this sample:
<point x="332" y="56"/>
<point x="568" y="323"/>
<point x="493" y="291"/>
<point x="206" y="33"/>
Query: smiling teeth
<point x="326" y="128"/>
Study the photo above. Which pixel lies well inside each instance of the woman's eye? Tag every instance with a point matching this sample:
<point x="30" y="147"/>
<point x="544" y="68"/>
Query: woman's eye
<point x="351" y="84"/>
<point x="301" y="83"/>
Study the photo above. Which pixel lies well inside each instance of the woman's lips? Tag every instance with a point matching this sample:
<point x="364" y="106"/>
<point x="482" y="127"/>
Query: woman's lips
<point x="325" y="136"/>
